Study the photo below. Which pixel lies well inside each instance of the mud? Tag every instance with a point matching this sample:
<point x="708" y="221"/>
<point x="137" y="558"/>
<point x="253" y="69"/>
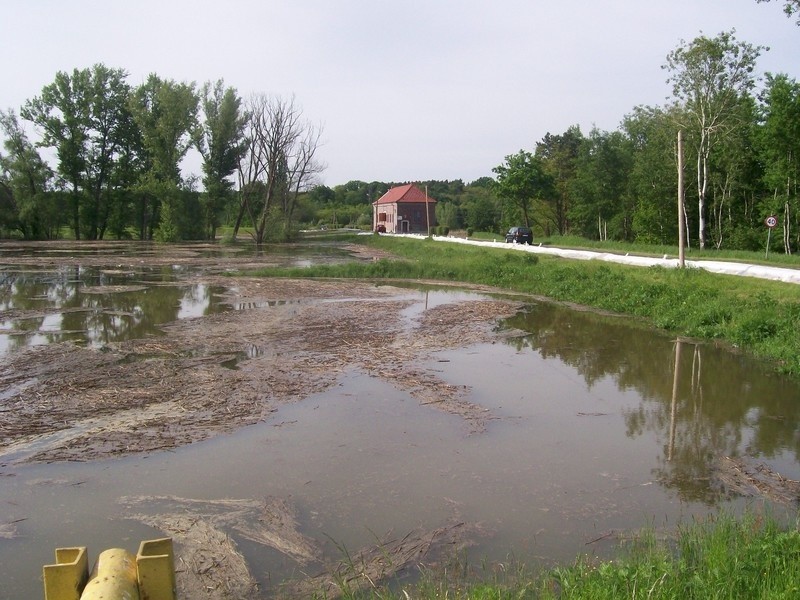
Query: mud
<point x="210" y="375"/>
<point x="283" y="341"/>
<point x="751" y="479"/>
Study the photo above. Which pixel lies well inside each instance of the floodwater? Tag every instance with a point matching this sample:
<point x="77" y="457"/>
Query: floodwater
<point x="602" y="427"/>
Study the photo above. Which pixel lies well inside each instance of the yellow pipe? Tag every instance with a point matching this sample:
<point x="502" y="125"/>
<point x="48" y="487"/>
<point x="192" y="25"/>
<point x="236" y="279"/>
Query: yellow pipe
<point x="113" y="577"/>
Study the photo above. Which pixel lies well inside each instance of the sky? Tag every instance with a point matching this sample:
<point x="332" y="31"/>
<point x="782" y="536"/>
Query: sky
<point x="404" y="90"/>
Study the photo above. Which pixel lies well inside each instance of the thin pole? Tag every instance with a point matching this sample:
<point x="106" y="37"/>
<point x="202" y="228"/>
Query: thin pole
<point x="427" y="212"/>
<point x="681" y="203"/>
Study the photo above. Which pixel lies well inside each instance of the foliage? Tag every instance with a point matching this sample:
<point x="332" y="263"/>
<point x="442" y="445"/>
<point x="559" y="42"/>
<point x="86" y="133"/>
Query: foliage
<point x="85" y="117"/>
<point x="710" y="79"/>
<point x="790" y="7"/>
<point x="521" y="179"/>
<point x="559" y="154"/>
<point x="220" y="141"/>
<point x="26" y="203"/>
<point x="119" y="150"/>
<point x="166" y="114"/>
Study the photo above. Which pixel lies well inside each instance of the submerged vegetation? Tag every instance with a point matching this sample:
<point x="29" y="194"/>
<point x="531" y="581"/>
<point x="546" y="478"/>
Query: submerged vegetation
<point x="724" y="557"/>
<point x="757" y="316"/>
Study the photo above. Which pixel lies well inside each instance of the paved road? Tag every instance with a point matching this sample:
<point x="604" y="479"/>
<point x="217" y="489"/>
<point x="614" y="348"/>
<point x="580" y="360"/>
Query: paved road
<point x="716" y="266"/>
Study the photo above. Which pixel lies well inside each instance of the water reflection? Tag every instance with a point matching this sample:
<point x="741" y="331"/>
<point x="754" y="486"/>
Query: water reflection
<point x="97" y="306"/>
<point x="701" y="402"/>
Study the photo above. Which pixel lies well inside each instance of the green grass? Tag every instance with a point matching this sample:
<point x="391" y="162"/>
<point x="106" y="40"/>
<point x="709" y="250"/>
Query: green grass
<point x="758" y="316"/>
<point x="723" y="557"/>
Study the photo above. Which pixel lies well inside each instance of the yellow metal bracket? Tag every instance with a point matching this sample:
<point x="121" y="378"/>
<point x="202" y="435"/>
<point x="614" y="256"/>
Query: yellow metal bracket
<point x="117" y="575"/>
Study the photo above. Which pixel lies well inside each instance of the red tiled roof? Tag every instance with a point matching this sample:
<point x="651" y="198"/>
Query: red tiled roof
<point x="404" y="193"/>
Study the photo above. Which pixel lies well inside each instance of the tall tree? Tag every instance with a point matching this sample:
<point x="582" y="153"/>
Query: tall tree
<point x="709" y="76"/>
<point x="62" y="111"/>
<point x="84" y="116"/>
<point x="166" y="113"/>
<point x="278" y="164"/>
<point x="651" y="132"/>
<point x="600" y="188"/>
<point x="220" y="141"/>
<point x="780" y="149"/>
<point x="25" y="180"/>
<point x="521" y="180"/>
<point x="560" y="153"/>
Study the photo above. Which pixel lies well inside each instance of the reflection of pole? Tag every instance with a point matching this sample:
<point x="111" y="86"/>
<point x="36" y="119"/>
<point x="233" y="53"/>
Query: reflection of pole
<point x="681" y="203"/>
<point x="674" y="408"/>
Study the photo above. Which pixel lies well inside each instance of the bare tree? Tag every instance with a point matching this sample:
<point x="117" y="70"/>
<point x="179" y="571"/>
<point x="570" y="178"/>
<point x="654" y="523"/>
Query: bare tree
<point x="278" y="164"/>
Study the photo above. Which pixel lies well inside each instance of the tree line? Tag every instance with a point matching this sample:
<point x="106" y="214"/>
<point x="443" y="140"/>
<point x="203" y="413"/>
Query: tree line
<point x="118" y="151"/>
<point x="742" y="156"/>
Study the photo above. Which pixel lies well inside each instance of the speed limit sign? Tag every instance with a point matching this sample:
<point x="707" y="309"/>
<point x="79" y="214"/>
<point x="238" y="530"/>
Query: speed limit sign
<point x="771" y="221"/>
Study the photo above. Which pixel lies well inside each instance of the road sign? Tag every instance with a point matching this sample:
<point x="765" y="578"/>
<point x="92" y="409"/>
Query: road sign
<point x="771" y="221"/>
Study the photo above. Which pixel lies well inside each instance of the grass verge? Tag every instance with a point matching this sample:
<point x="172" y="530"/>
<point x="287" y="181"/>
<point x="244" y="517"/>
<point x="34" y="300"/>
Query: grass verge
<point x="722" y="557"/>
<point x="758" y="316"/>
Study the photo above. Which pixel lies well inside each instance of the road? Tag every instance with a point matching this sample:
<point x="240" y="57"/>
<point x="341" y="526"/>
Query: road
<point x="716" y="266"/>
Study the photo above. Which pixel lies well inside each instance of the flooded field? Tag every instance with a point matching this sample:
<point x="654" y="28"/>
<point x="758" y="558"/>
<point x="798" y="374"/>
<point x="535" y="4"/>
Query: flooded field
<point x="274" y="427"/>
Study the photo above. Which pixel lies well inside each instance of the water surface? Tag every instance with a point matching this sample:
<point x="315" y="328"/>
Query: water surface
<point x="593" y="437"/>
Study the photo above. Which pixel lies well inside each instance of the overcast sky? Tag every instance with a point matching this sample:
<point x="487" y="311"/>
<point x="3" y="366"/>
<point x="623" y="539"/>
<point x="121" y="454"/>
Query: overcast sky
<point x="405" y="90"/>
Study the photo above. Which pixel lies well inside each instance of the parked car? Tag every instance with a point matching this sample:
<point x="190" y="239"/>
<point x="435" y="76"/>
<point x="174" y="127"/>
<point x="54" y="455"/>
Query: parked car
<point x="520" y="235"/>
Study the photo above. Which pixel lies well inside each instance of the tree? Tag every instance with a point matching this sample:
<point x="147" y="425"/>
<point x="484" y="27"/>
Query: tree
<point x="779" y="144"/>
<point x="279" y="163"/>
<point x="560" y="153"/>
<point x="25" y="181"/>
<point x="84" y="116"/>
<point x="600" y="188"/>
<point x="166" y="113"/>
<point x="480" y="206"/>
<point x="790" y="7"/>
<point x="736" y="181"/>
<point x="709" y="76"/>
<point x="220" y="141"/>
<point x="521" y="179"/>
<point x="651" y="132"/>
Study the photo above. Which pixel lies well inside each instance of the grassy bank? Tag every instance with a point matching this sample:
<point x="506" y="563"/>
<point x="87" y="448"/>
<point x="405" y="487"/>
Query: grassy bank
<point x="721" y="558"/>
<point x="758" y="316"/>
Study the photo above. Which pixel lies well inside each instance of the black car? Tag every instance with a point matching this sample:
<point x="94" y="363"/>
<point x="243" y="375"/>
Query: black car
<point x="520" y="235"/>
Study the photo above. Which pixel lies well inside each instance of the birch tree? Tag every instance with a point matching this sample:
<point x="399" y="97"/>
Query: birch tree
<point x="709" y="77"/>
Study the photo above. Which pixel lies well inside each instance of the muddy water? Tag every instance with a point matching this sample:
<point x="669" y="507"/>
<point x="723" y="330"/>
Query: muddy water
<point x="594" y="436"/>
